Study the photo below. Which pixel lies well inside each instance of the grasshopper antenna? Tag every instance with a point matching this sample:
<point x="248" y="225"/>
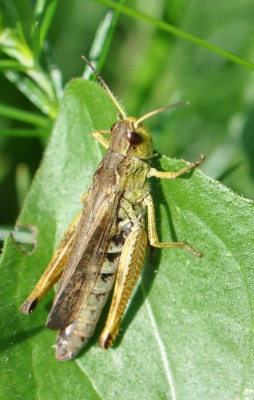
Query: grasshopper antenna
<point x="159" y="110"/>
<point x="105" y="86"/>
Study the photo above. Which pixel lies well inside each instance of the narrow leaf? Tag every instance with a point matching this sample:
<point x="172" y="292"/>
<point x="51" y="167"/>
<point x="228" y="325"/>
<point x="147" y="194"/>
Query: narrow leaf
<point x="176" y="31"/>
<point x="25" y="116"/>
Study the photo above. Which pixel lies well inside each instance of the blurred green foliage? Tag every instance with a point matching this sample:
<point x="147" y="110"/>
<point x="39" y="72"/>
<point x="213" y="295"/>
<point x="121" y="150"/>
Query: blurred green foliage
<point x="41" y="43"/>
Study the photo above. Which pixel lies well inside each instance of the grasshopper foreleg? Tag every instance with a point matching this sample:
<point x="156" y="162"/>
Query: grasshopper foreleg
<point x="98" y="135"/>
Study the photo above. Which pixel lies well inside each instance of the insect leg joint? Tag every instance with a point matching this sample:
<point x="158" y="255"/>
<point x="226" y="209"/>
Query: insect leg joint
<point x="98" y="135"/>
<point x="152" y="232"/>
<point x="175" y="174"/>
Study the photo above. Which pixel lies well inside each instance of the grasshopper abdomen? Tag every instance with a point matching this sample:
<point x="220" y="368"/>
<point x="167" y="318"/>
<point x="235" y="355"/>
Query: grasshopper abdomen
<point x="75" y="336"/>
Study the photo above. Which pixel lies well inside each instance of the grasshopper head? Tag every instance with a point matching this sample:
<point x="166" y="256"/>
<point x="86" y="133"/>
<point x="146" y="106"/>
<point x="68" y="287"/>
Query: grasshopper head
<point x="128" y="136"/>
<point x="130" y="139"/>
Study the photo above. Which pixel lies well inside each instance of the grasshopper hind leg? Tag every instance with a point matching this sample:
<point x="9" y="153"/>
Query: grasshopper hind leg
<point x="130" y="265"/>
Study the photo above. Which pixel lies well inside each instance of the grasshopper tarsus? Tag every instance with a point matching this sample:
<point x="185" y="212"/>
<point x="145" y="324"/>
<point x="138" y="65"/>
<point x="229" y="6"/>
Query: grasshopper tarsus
<point x="200" y="160"/>
<point x="28" y="306"/>
<point x="192" y="250"/>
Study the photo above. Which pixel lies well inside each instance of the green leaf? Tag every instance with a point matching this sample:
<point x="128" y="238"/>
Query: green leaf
<point x="188" y="332"/>
<point x="48" y="14"/>
<point x="34" y="92"/>
<point x="102" y="42"/>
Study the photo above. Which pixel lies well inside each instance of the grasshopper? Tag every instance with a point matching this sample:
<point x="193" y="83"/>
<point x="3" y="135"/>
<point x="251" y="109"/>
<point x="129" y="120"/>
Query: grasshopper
<point x="106" y="243"/>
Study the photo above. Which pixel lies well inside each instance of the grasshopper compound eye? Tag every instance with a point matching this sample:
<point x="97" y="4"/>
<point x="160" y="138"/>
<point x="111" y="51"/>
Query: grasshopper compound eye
<point x="135" y="138"/>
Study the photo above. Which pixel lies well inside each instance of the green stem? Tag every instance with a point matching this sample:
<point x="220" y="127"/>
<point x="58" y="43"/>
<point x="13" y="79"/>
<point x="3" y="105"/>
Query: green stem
<point x="177" y="32"/>
<point x="41" y="133"/>
<point x="13" y="65"/>
<point x="25" y="116"/>
<point x="18" y="236"/>
<point x="43" y="81"/>
<point x="47" y="19"/>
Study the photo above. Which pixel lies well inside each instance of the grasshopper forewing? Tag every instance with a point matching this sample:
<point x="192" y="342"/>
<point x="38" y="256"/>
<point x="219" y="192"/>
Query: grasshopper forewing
<point x="106" y="243"/>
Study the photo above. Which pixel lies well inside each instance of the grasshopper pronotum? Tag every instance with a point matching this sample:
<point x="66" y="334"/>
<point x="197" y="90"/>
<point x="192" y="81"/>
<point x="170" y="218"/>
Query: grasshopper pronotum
<point x="106" y="242"/>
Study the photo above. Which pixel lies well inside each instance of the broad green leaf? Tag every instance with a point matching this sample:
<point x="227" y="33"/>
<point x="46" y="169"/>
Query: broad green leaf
<point x="188" y="331"/>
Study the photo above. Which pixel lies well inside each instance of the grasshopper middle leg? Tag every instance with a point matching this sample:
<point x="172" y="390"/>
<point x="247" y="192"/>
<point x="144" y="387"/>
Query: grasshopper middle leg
<point x="152" y="232"/>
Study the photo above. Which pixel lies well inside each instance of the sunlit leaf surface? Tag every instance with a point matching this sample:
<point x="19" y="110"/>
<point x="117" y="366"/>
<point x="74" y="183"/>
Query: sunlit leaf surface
<point x="188" y="332"/>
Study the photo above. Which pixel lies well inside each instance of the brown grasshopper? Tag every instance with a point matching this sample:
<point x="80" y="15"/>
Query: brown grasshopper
<point x="106" y="243"/>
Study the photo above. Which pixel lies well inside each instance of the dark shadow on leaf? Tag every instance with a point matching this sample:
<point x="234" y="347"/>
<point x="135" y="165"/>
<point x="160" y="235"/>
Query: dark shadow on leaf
<point x="248" y="140"/>
<point x="153" y="260"/>
<point x="153" y="256"/>
<point x="18" y="338"/>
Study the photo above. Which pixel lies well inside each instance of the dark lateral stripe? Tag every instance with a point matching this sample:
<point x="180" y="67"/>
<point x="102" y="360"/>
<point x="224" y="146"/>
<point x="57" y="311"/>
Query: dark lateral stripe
<point x="106" y="276"/>
<point x="113" y="256"/>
